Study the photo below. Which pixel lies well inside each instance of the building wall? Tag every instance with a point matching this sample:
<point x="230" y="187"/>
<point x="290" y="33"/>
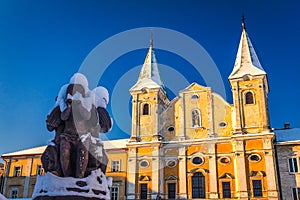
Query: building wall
<point x="288" y="179"/>
<point x="119" y="177"/>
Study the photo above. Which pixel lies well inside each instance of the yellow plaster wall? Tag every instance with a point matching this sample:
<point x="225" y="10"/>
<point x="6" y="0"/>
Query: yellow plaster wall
<point x="224" y="148"/>
<point x="203" y="103"/>
<point x="253" y="144"/>
<point x="115" y="156"/>
<point x="222" y="112"/>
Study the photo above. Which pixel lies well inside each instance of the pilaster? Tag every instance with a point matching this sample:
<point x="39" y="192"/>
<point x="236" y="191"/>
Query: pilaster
<point x="213" y="179"/>
<point x="270" y="169"/>
<point x="182" y="193"/>
<point x="131" y="173"/>
<point x="240" y="170"/>
<point x="155" y="173"/>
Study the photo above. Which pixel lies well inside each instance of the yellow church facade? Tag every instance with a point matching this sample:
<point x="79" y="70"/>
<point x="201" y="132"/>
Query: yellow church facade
<point x="195" y="146"/>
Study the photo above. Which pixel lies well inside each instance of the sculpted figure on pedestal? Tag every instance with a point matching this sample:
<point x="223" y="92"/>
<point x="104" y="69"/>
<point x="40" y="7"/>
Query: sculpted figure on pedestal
<point x="78" y="117"/>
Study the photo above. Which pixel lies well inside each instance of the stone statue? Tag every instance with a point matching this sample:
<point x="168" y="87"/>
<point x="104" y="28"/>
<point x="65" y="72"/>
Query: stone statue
<point x="78" y="117"/>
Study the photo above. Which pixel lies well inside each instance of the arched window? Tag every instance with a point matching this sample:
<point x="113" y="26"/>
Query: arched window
<point x="249" y="98"/>
<point x="196" y="118"/>
<point x="146" y="109"/>
<point x="198" y="186"/>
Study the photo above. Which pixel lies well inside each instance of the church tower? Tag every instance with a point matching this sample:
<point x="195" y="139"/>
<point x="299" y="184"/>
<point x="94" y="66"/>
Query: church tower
<point x="149" y="99"/>
<point x="250" y="88"/>
<point x="145" y="164"/>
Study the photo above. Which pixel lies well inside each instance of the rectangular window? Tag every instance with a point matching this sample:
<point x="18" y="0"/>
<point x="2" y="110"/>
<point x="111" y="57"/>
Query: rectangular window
<point x="226" y="190"/>
<point x="257" y="188"/>
<point x="115" y="192"/>
<point x="296" y="193"/>
<point x="171" y="190"/>
<point x="39" y="170"/>
<point x="17" y="171"/>
<point x="14" y="192"/>
<point x="293" y="164"/>
<point x="115" y="166"/>
<point x="144" y="190"/>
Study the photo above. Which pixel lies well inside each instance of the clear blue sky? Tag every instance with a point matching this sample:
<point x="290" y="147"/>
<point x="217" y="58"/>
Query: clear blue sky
<point x="42" y="43"/>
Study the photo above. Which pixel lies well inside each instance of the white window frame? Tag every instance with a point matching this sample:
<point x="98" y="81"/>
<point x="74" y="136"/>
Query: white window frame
<point x="17" y="173"/>
<point x="13" y="189"/>
<point x="293" y="166"/>
<point x="297" y="193"/>
<point x="117" y="192"/>
<point x="116" y="165"/>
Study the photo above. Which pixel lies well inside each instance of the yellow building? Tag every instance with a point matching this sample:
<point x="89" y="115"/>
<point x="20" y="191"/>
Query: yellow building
<point x="196" y="146"/>
<point x="22" y="168"/>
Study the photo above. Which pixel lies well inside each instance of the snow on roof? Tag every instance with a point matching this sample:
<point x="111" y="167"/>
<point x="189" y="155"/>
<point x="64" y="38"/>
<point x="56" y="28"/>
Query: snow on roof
<point x="287" y="135"/>
<point x="149" y="76"/>
<point x="115" y="144"/>
<point x="109" y="144"/>
<point x="31" y="151"/>
<point x="246" y="61"/>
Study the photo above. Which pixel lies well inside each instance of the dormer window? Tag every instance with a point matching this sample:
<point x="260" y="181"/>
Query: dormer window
<point x="249" y="98"/>
<point x="145" y="109"/>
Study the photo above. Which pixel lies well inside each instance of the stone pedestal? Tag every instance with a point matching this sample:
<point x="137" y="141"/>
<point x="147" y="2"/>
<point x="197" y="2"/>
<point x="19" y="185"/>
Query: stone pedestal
<point x="94" y="187"/>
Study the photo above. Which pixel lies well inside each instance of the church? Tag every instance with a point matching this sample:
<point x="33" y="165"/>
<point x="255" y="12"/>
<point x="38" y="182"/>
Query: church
<point x="195" y="146"/>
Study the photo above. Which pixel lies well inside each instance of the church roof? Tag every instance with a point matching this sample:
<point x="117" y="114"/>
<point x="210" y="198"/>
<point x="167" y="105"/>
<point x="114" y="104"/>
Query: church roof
<point x="109" y="144"/>
<point x="246" y="61"/>
<point x="149" y="76"/>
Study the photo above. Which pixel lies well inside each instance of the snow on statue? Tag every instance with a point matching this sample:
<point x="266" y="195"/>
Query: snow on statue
<point x="76" y="161"/>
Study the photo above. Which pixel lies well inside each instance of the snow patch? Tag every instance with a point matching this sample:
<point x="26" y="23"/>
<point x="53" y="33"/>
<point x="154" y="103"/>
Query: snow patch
<point x="101" y="97"/>
<point x="61" y="98"/>
<point x="96" y="185"/>
<point x="79" y="78"/>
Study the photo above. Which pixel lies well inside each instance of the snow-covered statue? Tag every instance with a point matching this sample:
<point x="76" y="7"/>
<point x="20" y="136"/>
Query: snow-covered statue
<point x="79" y="115"/>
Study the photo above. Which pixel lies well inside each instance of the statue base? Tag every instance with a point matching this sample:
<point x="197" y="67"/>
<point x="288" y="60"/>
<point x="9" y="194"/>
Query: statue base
<point x="96" y="186"/>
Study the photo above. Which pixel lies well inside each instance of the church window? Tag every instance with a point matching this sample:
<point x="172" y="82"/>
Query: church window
<point x="18" y="171"/>
<point x="171" y="128"/>
<point x="143" y="190"/>
<point x="198" y="186"/>
<point x="257" y="188"/>
<point x="171" y="163"/>
<point x="254" y="158"/>
<point x="115" y="166"/>
<point x="196" y="118"/>
<point x="171" y="190"/>
<point x="296" y="193"/>
<point x="146" y="109"/>
<point x="197" y="160"/>
<point x="222" y="124"/>
<point x="144" y="163"/>
<point x="195" y="96"/>
<point x="224" y="160"/>
<point x="226" y="189"/>
<point x="293" y="165"/>
<point x="249" y="98"/>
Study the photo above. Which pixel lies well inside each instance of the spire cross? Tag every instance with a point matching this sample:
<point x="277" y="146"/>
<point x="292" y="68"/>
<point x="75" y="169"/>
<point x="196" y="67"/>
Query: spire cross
<point x="151" y="38"/>
<point x="243" y="21"/>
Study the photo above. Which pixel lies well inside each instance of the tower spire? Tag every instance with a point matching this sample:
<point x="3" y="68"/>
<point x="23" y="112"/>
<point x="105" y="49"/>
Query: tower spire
<point x="246" y="61"/>
<point x="149" y="76"/>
